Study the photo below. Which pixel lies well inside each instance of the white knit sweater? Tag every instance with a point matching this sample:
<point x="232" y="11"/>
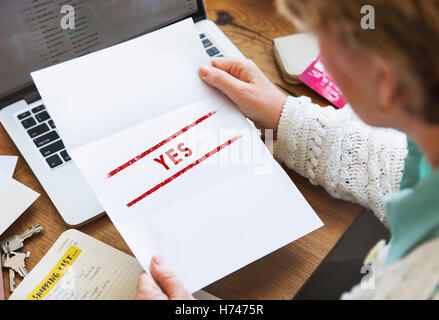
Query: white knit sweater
<point x="361" y="164"/>
<point x="334" y="149"/>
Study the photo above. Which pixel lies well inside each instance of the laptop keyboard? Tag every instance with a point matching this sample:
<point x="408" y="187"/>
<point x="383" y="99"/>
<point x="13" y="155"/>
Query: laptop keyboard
<point x="210" y="48"/>
<point x="42" y="130"/>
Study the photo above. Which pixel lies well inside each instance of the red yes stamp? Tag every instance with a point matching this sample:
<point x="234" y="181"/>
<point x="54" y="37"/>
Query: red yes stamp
<point x="173" y="157"/>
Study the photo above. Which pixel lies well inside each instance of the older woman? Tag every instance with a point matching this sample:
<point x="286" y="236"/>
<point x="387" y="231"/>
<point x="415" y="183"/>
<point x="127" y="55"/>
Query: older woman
<point x="390" y="76"/>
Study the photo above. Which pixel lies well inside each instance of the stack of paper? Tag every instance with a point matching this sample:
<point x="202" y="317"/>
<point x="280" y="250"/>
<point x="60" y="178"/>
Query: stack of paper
<point x="177" y="167"/>
<point x="15" y="197"/>
<point x="7" y="165"/>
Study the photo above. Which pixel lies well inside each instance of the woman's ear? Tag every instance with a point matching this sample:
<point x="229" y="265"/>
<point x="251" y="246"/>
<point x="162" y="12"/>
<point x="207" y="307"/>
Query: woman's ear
<point x="387" y="86"/>
<point x="289" y="12"/>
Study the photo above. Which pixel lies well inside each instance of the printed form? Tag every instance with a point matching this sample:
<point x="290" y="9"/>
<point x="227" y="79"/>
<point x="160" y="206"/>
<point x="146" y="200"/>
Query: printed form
<point x="179" y="170"/>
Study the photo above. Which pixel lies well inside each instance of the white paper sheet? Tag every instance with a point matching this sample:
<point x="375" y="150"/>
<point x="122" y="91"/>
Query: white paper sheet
<point x="207" y="212"/>
<point x="8" y="164"/>
<point x="116" y="88"/>
<point x="15" y="198"/>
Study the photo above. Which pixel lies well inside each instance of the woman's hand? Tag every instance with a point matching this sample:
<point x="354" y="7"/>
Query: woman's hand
<point x="165" y="287"/>
<point x="259" y="100"/>
<point x="245" y="84"/>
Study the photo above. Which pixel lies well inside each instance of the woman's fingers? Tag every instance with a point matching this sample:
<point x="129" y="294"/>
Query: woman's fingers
<point x="220" y="79"/>
<point x="245" y="84"/>
<point x="168" y="281"/>
<point x="147" y="289"/>
<point x="164" y="286"/>
<point x="243" y="69"/>
<point x="232" y="66"/>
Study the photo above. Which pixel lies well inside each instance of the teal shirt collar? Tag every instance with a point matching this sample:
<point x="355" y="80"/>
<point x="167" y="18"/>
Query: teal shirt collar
<point x="413" y="211"/>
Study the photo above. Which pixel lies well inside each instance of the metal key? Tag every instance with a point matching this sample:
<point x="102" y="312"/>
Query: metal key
<point x="16" y="242"/>
<point x="15" y="261"/>
<point x="11" y="273"/>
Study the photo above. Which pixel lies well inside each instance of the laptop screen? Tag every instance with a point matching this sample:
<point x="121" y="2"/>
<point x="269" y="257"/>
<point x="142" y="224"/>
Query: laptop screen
<point x="32" y="35"/>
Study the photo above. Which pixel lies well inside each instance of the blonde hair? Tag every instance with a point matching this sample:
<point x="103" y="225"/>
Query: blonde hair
<point x="406" y="35"/>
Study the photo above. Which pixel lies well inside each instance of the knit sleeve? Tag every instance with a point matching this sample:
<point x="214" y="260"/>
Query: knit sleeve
<point x="334" y="149"/>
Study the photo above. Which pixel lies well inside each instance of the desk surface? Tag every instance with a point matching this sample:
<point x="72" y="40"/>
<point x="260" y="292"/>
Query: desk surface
<point x="251" y="25"/>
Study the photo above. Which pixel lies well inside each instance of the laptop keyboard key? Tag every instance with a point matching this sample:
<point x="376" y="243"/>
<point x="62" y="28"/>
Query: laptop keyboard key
<point x="52" y="148"/>
<point x="43" y="116"/>
<point x="212" y="51"/>
<point x="52" y="124"/>
<point x="65" y="156"/>
<point x="36" y="131"/>
<point x="207" y="43"/>
<point x="202" y="36"/>
<point x="23" y="115"/>
<point x="45" y="139"/>
<point x="54" y="161"/>
<point x="38" y="109"/>
<point x="29" y="122"/>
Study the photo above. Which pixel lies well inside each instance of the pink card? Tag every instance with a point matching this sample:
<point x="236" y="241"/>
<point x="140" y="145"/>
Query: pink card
<point x="317" y="78"/>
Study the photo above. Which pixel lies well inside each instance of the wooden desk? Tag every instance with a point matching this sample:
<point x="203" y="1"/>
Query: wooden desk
<point x="251" y="25"/>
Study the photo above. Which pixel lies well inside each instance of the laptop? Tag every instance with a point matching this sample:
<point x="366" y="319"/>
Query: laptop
<point x="32" y="38"/>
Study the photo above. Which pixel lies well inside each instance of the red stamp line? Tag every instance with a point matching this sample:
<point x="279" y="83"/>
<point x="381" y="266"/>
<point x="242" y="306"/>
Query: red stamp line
<point x="160" y="144"/>
<point x="181" y="172"/>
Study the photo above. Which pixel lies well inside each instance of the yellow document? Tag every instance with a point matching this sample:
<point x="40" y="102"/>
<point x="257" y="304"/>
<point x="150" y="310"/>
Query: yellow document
<point x="79" y="267"/>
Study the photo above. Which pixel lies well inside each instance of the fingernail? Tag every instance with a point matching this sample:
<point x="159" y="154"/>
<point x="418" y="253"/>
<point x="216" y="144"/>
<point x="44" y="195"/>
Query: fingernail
<point x="157" y="260"/>
<point x="204" y="72"/>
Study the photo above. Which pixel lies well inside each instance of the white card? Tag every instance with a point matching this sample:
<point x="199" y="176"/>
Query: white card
<point x="15" y="198"/>
<point x="8" y="164"/>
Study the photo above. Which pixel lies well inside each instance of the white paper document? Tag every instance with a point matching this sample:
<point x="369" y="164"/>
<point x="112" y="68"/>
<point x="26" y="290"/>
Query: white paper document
<point x="8" y="164"/>
<point x="15" y="198"/>
<point x="179" y="170"/>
